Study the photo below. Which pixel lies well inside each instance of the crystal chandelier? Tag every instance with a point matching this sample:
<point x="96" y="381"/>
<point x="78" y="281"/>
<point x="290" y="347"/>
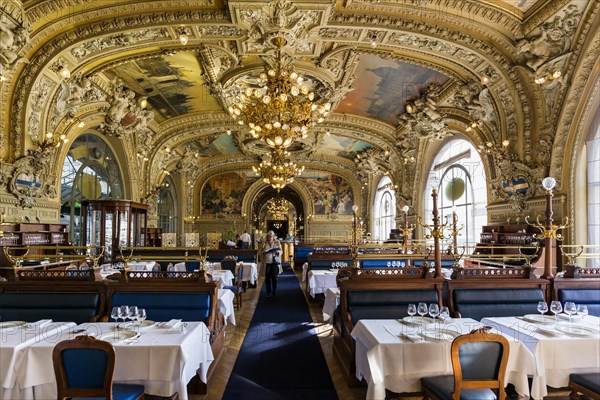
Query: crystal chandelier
<point x="281" y="107"/>
<point x="278" y="172"/>
<point x="278" y="208"/>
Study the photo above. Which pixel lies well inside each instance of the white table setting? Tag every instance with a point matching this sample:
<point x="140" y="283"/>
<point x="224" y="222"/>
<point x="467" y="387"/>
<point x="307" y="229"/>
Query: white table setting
<point x="332" y="300"/>
<point x="250" y="272"/>
<point x="163" y="357"/>
<point x="15" y="338"/>
<point x="226" y="298"/>
<point x="395" y="354"/>
<point x="320" y="280"/>
<point x="222" y="277"/>
<point x="559" y="347"/>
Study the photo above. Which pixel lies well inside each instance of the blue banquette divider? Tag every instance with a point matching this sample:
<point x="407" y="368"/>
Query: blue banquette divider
<point x="580" y="291"/>
<point x="60" y="301"/>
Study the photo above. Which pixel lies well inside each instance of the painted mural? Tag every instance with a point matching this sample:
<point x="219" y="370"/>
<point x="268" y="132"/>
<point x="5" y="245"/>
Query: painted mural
<point x="331" y="193"/>
<point x="214" y="145"/>
<point x="223" y="193"/>
<point x="172" y="83"/>
<point x="342" y="146"/>
<point x="382" y="87"/>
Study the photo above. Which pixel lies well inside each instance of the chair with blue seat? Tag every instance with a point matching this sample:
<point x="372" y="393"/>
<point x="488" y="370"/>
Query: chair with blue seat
<point x="84" y="368"/>
<point x="237" y="288"/>
<point x="479" y="365"/>
<point x="229" y="263"/>
<point x="586" y="384"/>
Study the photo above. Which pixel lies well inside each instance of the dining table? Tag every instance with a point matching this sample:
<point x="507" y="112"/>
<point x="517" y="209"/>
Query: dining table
<point x="226" y="298"/>
<point x="320" y="280"/>
<point x="222" y="277"/>
<point x="395" y="354"/>
<point x="163" y="357"/>
<point x="15" y="338"/>
<point x="332" y="301"/>
<point x="559" y="347"/>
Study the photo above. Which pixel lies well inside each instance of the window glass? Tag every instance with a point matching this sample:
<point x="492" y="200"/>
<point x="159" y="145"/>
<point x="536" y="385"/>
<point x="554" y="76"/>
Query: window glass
<point x="384" y="209"/>
<point x="167" y="212"/>
<point x="593" y="189"/>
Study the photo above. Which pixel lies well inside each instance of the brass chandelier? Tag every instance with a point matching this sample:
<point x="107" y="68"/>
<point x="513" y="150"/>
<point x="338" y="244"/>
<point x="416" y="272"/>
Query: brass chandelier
<point x="278" y="172"/>
<point x="281" y="107"/>
<point x="278" y="208"/>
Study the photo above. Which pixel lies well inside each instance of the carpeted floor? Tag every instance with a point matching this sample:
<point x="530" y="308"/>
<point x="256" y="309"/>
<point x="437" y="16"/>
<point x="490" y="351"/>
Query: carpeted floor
<point x="280" y="357"/>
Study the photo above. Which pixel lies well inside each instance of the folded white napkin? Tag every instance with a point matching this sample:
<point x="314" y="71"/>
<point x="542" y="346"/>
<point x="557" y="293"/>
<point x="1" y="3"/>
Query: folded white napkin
<point x="411" y="337"/>
<point x="43" y="322"/>
<point x="548" y="331"/>
<point x="173" y="324"/>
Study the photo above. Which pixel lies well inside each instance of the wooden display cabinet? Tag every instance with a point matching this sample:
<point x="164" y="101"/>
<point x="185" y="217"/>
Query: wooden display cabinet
<point x="114" y="224"/>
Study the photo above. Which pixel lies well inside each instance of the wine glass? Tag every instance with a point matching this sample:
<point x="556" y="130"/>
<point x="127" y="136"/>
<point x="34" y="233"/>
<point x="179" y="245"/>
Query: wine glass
<point x="141" y="315"/>
<point x="125" y="313"/>
<point x="555" y="308"/>
<point x="116" y="314"/>
<point x="389" y="264"/>
<point x="570" y="309"/>
<point x="422" y="310"/>
<point x="434" y="311"/>
<point x="444" y="313"/>
<point x="133" y="313"/>
<point x="582" y="310"/>
<point x="412" y="310"/>
<point x="542" y="308"/>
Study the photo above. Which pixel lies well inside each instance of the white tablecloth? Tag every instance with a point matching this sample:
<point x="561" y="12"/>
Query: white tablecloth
<point x="555" y="356"/>
<point x="250" y="273"/>
<point x="320" y="280"/>
<point x="14" y="342"/>
<point x="141" y="265"/>
<point x="179" y="267"/>
<point x="387" y="361"/>
<point x="226" y="298"/>
<point x="163" y="360"/>
<point x="332" y="300"/>
<point x="222" y="277"/>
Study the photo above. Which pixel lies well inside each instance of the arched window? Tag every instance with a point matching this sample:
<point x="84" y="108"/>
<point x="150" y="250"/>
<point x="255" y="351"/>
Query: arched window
<point x="90" y="172"/>
<point x="462" y="189"/>
<point x="593" y="187"/>
<point x="167" y="212"/>
<point x="384" y="209"/>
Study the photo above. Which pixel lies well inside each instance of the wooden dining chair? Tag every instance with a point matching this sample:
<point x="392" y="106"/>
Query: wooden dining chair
<point x="478" y="364"/>
<point x="238" y="286"/>
<point x="84" y="368"/>
<point x="229" y="263"/>
<point x="586" y="384"/>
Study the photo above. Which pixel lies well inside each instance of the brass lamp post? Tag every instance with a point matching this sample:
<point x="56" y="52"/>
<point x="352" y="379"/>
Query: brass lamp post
<point x="549" y="231"/>
<point x="406" y="229"/>
<point x="437" y="229"/>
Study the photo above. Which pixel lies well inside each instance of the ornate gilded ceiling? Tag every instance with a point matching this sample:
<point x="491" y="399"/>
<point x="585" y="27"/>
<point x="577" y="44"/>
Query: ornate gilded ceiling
<point x="458" y="62"/>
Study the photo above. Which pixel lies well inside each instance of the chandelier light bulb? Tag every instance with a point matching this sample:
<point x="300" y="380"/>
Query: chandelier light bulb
<point x="183" y="39"/>
<point x="405" y="209"/>
<point x="434" y="182"/>
<point x="65" y="73"/>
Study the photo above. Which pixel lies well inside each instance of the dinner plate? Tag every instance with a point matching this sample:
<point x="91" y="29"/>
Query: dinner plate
<point x="12" y="324"/>
<point x="414" y="320"/>
<point x="439" y="334"/>
<point x="537" y="319"/>
<point x="133" y="325"/>
<point x="118" y="336"/>
<point x="576" y="330"/>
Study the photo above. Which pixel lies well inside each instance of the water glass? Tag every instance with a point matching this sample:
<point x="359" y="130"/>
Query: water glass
<point x="125" y="313"/>
<point x="444" y="313"/>
<point x="582" y="310"/>
<point x="555" y="308"/>
<point x="542" y="308"/>
<point x="570" y="309"/>
<point x="412" y="310"/>
<point x="141" y="315"/>
<point x="115" y="314"/>
<point x="422" y="310"/>
<point x="434" y="311"/>
<point x="133" y="313"/>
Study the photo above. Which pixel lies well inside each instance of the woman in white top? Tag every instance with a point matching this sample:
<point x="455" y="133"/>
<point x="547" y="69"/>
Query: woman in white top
<point x="271" y="250"/>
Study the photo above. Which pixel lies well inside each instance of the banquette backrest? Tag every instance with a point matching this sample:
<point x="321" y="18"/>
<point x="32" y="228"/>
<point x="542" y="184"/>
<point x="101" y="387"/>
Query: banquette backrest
<point x="580" y="291"/>
<point x="386" y="293"/>
<point x="64" y="300"/>
<point x="495" y="292"/>
<point x="165" y="299"/>
<point x="318" y="261"/>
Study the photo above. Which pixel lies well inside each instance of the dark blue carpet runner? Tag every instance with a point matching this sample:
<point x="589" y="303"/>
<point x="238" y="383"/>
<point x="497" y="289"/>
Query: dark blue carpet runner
<point x="281" y="357"/>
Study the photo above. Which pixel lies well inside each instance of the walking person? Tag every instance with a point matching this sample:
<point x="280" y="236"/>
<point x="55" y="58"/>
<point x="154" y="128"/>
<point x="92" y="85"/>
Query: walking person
<point x="271" y="252"/>
<point x="246" y="239"/>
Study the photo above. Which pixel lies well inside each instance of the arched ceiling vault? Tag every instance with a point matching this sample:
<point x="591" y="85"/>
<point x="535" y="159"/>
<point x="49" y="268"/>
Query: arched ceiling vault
<point x="370" y="58"/>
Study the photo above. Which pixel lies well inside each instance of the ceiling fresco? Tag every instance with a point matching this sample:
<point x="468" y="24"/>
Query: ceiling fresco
<point x="382" y="87"/>
<point x="214" y="145"/>
<point x="172" y="83"/>
<point x="334" y="145"/>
